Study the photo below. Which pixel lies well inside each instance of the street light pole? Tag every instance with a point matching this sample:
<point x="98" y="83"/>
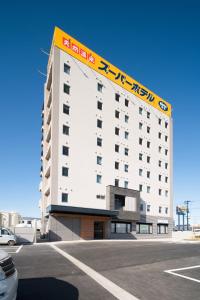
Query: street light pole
<point x="187" y="212"/>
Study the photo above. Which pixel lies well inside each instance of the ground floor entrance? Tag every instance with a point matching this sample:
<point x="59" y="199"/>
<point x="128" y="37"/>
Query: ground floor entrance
<point x="98" y="230"/>
<point x="76" y="227"/>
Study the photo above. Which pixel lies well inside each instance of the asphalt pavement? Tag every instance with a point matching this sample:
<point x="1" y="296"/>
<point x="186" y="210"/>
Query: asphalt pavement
<point x="138" y="268"/>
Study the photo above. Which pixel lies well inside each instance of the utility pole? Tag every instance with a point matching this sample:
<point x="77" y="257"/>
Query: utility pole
<point x="187" y="212"/>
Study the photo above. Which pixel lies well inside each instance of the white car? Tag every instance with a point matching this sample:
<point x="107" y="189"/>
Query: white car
<point x="8" y="277"/>
<point x="7" y="237"/>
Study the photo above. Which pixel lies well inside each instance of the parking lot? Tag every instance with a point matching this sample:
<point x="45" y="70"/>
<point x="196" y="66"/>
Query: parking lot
<point x="109" y="270"/>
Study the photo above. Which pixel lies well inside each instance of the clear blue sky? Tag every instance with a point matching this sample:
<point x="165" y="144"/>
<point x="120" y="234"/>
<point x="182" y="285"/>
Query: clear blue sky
<point x="156" y="42"/>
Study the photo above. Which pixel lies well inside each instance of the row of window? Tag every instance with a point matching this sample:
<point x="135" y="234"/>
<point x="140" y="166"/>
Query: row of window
<point x="141" y="228"/>
<point x="148" y="190"/>
<point x="141" y="172"/>
<point x="141" y="156"/>
<point x="148" y="208"/>
<point x="99" y="180"/>
<point x="67" y="70"/>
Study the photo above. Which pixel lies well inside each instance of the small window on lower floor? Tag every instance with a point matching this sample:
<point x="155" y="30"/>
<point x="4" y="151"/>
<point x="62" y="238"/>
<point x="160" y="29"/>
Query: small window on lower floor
<point x="144" y="228"/>
<point x="99" y="142"/>
<point x="65" y="130"/>
<point x="65" y="171"/>
<point x="116" y="182"/>
<point x="120" y="227"/>
<point x="126" y="184"/>
<point x="64" y="197"/>
<point x="66" y="88"/>
<point x="162" y="228"/>
<point x="99" y="178"/>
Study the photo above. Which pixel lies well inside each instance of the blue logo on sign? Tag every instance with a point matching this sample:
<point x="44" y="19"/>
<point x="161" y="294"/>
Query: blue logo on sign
<point x="163" y="106"/>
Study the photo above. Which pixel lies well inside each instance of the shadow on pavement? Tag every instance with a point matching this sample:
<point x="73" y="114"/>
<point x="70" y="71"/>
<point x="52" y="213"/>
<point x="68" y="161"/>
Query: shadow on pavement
<point x="47" y="288"/>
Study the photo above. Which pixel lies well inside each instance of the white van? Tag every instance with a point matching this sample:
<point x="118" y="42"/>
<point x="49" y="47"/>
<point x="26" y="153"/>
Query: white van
<point x="7" y="237"/>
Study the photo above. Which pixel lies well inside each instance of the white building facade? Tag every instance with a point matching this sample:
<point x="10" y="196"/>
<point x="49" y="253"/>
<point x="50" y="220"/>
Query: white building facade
<point x="107" y="155"/>
<point x="9" y="219"/>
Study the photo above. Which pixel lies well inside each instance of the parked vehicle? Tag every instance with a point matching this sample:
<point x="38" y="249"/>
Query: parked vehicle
<point x="8" y="277"/>
<point x="7" y="237"/>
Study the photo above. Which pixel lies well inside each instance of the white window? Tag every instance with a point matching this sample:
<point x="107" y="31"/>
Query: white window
<point x="117" y="114"/>
<point x="65" y="109"/>
<point x="99" y="87"/>
<point x="117" y="96"/>
<point x="99" y="142"/>
<point x="126" y="102"/>
<point x="65" y="171"/>
<point x="148" y="208"/>
<point x="116" y="165"/>
<point x="99" y="123"/>
<point x="125" y="168"/>
<point x="140" y="172"/>
<point x="126" y="134"/>
<point x="126" y="184"/>
<point x="98" y="178"/>
<point x="99" y="105"/>
<point x="126" y="118"/>
<point x="148" y="189"/>
<point x="116" y="131"/>
<point x="65" y="130"/>
<point x="64" y="197"/>
<point x="99" y="160"/>
<point x="126" y="151"/>
<point x="66" y="69"/>
<point x="66" y="88"/>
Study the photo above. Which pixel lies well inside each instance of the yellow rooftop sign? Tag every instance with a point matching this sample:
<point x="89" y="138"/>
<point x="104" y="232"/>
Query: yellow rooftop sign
<point x="68" y="44"/>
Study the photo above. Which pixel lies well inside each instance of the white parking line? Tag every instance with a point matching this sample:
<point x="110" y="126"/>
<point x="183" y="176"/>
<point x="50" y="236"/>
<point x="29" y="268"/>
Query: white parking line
<point x="173" y="272"/>
<point x="20" y="247"/>
<point x="12" y="249"/>
<point x="107" y="284"/>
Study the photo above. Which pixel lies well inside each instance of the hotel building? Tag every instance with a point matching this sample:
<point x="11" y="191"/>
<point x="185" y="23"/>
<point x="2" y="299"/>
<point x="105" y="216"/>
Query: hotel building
<point x="107" y="157"/>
